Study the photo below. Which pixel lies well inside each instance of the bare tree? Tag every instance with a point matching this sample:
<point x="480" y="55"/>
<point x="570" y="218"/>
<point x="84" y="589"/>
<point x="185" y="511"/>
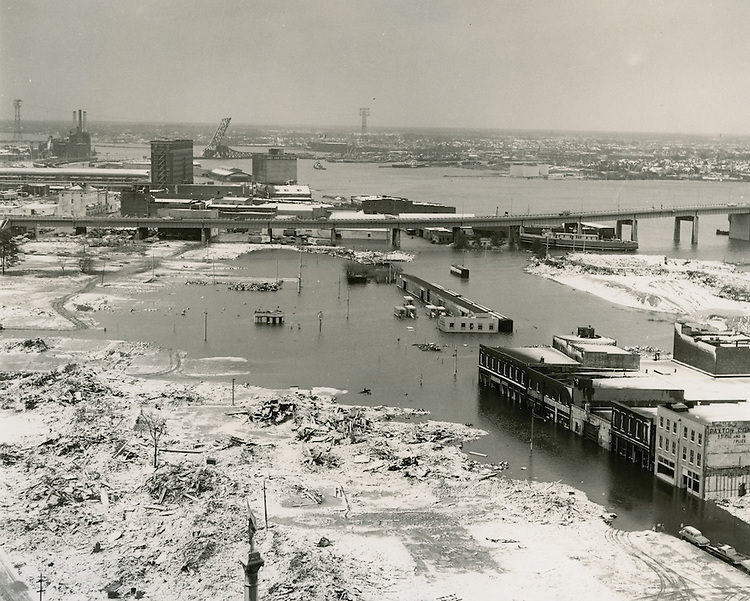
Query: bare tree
<point x="155" y="426"/>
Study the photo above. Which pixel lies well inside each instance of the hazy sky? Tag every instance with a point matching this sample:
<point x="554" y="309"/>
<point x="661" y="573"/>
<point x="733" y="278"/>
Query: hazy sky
<point x="650" y="66"/>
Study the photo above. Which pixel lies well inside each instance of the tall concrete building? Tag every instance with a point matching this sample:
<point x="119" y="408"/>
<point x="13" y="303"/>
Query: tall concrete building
<point x="274" y="168"/>
<point x="171" y="163"/>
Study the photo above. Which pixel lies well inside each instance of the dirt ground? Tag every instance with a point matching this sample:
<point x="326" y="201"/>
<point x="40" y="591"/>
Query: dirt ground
<point x="351" y="503"/>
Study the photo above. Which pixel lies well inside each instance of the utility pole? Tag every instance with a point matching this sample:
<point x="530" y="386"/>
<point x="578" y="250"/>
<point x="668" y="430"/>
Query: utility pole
<point x="232" y="392"/>
<point x="320" y="321"/>
<point x="205" y="326"/>
<point x="42" y="581"/>
<point x="455" y="366"/>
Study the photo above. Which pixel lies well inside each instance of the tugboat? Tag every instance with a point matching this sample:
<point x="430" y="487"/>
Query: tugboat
<point x="318" y="165"/>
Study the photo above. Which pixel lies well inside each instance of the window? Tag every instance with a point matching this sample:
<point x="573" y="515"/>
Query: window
<point x="692" y="435"/>
<point x="661" y="442"/>
<point x="674" y="447"/>
<point x="661" y="421"/>
<point x="492" y="326"/>
<point x="684" y="454"/>
<point x="463" y="325"/>
<point x="684" y="432"/>
<point x="480" y="326"/>
<point x="698" y="459"/>
<point x="700" y="438"/>
<point x="692" y="456"/>
<point x="452" y="324"/>
<point x="667" y="423"/>
<point x="674" y="427"/>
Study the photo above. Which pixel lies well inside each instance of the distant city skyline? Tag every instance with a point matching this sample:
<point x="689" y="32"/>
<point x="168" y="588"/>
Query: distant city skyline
<point x="579" y="65"/>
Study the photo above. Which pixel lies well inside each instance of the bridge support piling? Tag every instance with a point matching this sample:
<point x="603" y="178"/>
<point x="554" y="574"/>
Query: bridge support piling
<point x="395" y="237"/>
<point x="739" y="226"/>
<point x="676" y="233"/>
<point x="205" y="235"/>
<point x="333" y="236"/>
<point x="80" y="230"/>
<point x="141" y="233"/>
<point x="694" y="232"/>
<point x="634" y="230"/>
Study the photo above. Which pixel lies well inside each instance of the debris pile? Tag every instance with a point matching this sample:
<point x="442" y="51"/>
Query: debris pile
<point x="30" y="345"/>
<point x="274" y="411"/>
<point x="255" y="286"/>
<point x="175" y="482"/>
<point x="428" y="346"/>
<point x="53" y="489"/>
<point x="10" y="454"/>
<point x="67" y="385"/>
<point x="317" y="572"/>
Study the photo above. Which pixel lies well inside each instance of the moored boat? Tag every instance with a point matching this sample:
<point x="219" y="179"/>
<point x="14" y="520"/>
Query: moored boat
<point x="460" y="271"/>
<point x="591" y="238"/>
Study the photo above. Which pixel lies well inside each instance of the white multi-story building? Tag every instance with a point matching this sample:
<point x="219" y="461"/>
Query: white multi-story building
<point x="704" y="449"/>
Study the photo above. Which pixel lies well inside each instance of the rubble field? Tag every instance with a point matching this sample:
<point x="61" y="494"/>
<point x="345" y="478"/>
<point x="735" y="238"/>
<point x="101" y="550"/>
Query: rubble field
<point x="354" y="503"/>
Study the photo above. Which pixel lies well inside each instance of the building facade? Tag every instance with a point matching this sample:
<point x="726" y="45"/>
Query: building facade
<point x="171" y="163"/>
<point x="275" y="167"/>
<point x="719" y="353"/>
<point x="704" y="449"/>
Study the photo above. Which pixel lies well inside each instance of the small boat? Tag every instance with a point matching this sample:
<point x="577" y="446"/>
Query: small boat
<point x="460" y="270"/>
<point x="318" y="165"/>
<point x="722" y="232"/>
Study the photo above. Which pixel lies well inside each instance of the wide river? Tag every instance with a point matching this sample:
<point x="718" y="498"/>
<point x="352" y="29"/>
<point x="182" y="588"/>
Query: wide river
<point x="357" y="343"/>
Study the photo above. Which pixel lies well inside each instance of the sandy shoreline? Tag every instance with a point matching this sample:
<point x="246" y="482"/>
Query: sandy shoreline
<point x="407" y="513"/>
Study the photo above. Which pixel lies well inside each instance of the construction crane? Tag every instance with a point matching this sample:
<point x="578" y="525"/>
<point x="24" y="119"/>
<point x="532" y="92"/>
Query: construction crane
<point x="217" y="150"/>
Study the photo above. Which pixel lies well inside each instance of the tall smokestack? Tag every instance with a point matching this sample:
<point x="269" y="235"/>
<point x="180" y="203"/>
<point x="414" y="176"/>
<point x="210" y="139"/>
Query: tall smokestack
<point x="80" y="120"/>
<point x="84" y="121"/>
<point x="74" y="119"/>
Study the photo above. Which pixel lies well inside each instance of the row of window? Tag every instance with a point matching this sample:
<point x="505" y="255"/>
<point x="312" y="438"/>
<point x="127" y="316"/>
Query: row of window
<point x="671" y="425"/>
<point x="696" y="458"/>
<point x="480" y="326"/>
<point x="626" y="423"/>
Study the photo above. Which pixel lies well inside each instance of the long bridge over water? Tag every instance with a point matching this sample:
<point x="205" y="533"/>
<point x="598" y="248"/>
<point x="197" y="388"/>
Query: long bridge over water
<point x="738" y="215"/>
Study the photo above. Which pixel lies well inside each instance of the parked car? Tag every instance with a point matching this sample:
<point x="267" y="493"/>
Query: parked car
<point x="693" y="535"/>
<point x="726" y="553"/>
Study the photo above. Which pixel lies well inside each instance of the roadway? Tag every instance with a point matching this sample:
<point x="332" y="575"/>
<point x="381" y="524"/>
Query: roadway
<point x="402" y="221"/>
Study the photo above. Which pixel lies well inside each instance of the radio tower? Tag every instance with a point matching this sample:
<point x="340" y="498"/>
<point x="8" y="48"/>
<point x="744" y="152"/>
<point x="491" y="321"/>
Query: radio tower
<point x="364" y="112"/>
<point x="17" y="134"/>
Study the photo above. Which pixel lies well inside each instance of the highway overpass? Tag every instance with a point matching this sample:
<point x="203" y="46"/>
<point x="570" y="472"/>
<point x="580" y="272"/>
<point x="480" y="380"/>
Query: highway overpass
<point x="739" y="221"/>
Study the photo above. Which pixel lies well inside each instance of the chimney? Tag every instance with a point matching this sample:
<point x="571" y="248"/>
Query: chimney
<point x="80" y="120"/>
<point x="84" y="121"/>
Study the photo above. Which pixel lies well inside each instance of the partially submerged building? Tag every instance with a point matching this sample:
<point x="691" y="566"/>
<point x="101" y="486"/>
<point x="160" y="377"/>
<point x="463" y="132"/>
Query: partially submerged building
<point x="657" y="414"/>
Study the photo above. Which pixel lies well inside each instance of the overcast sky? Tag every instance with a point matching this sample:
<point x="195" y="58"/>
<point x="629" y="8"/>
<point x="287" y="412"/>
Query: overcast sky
<point x="642" y="66"/>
